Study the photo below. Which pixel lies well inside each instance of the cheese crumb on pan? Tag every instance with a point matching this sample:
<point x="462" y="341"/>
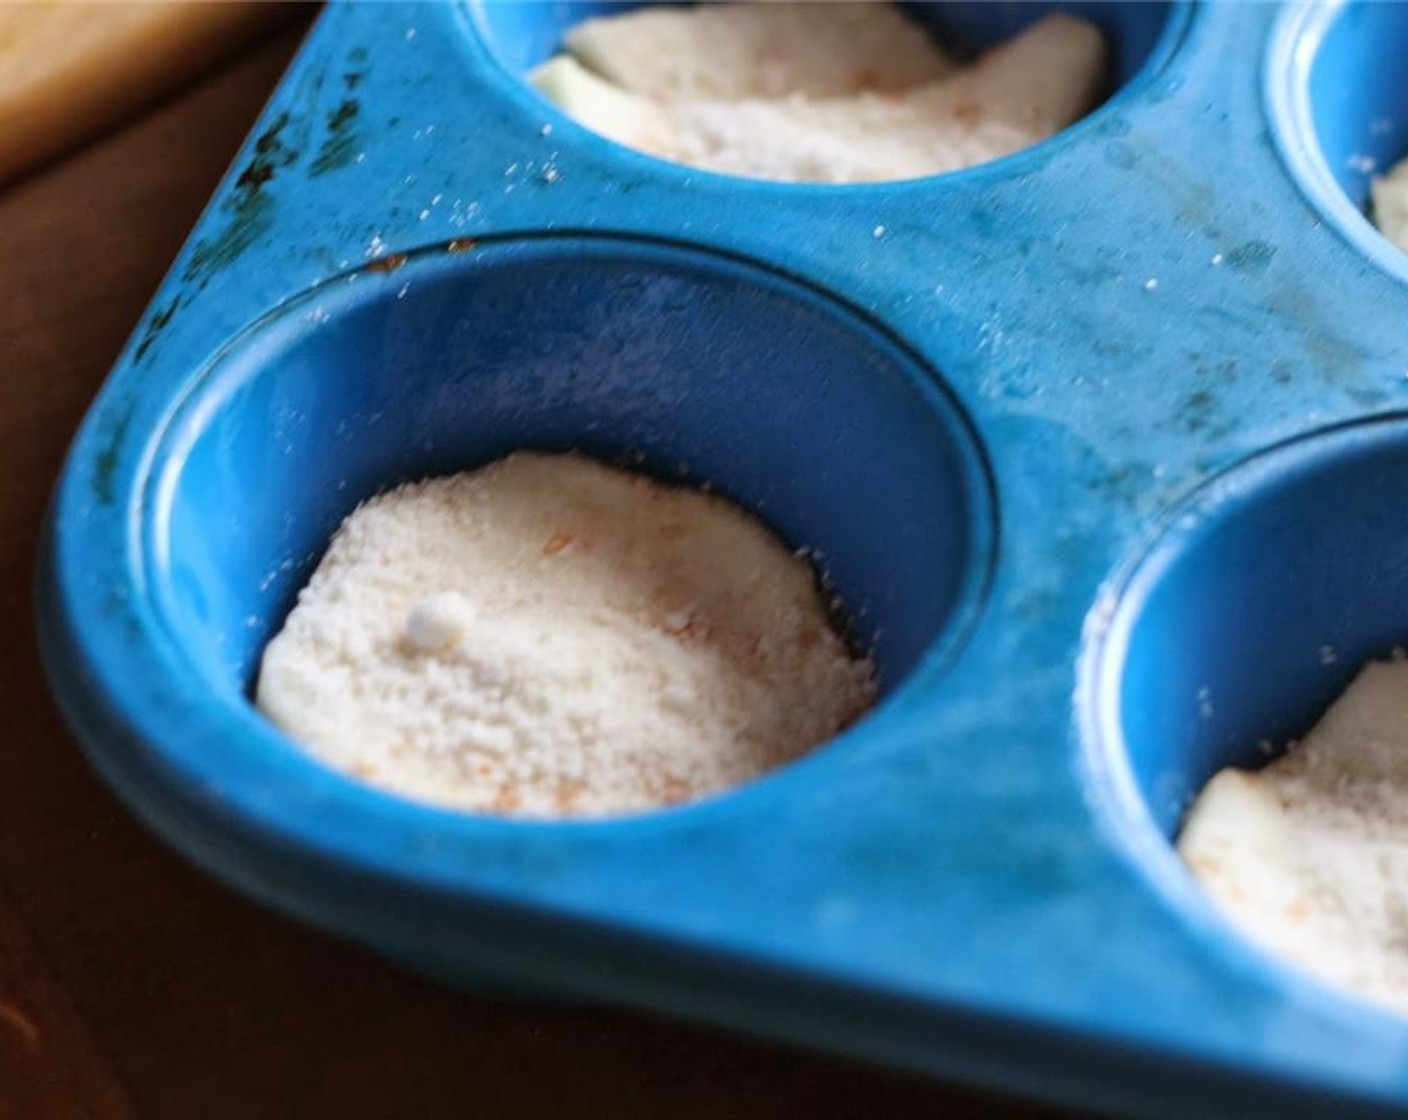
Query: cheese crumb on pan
<point x="1309" y="856"/>
<point x="551" y="637"/>
<point x="818" y="104"/>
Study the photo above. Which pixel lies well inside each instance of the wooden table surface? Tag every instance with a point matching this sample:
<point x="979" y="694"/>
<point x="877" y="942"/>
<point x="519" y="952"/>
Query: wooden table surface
<point x="130" y="984"/>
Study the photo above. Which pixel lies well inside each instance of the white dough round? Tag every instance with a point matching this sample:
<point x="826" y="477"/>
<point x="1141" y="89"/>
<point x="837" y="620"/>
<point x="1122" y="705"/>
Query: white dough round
<point x="824" y="93"/>
<point x="1309" y="855"/>
<point x="548" y="636"/>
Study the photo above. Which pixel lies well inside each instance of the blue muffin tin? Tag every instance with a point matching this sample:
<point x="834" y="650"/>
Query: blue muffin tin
<point x="1105" y="444"/>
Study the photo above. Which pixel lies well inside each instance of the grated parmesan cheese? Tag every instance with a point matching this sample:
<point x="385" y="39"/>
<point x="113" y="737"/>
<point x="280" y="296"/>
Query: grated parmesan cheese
<point x="1309" y="856"/>
<point x="839" y="93"/>
<point x="549" y="636"/>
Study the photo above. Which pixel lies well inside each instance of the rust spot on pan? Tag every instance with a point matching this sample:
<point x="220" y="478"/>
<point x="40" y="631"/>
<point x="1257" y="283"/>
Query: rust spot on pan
<point x="389" y="263"/>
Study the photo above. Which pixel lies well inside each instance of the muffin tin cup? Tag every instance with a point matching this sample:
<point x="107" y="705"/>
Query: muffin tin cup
<point x="1273" y="586"/>
<point x="1334" y="102"/>
<point x="696" y="368"/>
<point x="1039" y="419"/>
<point x="1253" y="610"/>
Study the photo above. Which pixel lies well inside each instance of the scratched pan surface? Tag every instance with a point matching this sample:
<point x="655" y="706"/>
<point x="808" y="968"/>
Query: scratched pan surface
<point x="1104" y="444"/>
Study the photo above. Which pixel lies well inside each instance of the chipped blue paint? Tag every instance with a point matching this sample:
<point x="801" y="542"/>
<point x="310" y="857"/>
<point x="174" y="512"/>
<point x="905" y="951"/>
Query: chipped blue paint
<point x="1014" y="406"/>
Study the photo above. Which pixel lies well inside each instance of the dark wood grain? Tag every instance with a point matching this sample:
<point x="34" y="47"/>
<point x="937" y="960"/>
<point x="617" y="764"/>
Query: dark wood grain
<point x="49" y="1068"/>
<point x="148" y="982"/>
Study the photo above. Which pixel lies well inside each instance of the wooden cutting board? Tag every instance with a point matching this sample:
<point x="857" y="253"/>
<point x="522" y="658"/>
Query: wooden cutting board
<point x="68" y="71"/>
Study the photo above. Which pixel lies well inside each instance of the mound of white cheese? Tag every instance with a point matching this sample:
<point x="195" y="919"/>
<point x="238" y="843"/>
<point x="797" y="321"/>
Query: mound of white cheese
<point x="1309" y="856"/>
<point x="548" y="636"/>
<point x="833" y="93"/>
<point x="1390" y="204"/>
